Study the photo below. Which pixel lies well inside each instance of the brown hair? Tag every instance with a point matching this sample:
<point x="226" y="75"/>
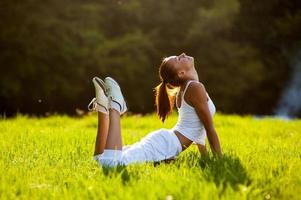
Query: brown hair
<point x="165" y="91"/>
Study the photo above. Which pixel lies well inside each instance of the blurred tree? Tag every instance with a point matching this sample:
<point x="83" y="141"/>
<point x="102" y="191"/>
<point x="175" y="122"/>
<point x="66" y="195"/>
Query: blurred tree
<point x="50" y="50"/>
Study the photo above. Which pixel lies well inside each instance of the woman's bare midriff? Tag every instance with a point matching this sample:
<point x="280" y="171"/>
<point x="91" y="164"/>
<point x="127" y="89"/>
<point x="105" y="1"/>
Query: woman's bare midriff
<point x="185" y="142"/>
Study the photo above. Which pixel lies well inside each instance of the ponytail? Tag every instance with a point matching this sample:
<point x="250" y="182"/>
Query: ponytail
<point x="164" y="101"/>
<point x="165" y="91"/>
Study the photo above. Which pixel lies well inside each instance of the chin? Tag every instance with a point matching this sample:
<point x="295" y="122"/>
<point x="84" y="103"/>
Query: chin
<point x="192" y="64"/>
<point x="192" y="60"/>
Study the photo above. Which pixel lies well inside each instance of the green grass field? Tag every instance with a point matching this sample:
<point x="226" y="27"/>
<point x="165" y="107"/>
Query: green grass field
<point x="51" y="158"/>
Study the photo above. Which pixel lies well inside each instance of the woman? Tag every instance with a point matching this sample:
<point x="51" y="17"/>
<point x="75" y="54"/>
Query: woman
<point x="195" y="117"/>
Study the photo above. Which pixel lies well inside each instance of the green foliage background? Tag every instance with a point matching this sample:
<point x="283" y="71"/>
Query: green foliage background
<point x="50" y="50"/>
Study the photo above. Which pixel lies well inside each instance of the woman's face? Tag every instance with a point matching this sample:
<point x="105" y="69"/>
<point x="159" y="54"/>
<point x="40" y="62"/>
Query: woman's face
<point x="184" y="66"/>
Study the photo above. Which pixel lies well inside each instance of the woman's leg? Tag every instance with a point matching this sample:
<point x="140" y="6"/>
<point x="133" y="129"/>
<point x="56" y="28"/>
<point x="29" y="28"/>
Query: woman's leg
<point x="114" y="140"/>
<point x="102" y="133"/>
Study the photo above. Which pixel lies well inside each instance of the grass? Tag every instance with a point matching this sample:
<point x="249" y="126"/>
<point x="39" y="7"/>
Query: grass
<point x="51" y="158"/>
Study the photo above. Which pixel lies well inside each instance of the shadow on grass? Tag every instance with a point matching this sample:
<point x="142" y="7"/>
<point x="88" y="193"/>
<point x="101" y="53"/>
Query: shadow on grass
<point x="227" y="170"/>
<point x="125" y="174"/>
<point x="119" y="170"/>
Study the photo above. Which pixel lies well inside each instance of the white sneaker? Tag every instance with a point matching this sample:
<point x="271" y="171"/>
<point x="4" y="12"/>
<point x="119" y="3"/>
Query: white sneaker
<point x="115" y="94"/>
<point x="101" y="102"/>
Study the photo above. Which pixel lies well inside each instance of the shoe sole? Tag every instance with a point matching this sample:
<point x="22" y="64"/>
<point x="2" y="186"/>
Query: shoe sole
<point x="100" y="83"/>
<point x="111" y="79"/>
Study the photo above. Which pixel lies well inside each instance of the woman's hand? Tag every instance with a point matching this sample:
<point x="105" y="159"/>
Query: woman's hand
<point x="202" y="149"/>
<point x="197" y="96"/>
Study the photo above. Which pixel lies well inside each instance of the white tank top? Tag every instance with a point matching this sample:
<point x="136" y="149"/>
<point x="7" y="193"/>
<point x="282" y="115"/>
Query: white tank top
<point x="189" y="124"/>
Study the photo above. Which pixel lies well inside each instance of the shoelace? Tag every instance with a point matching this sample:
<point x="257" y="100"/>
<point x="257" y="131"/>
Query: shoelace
<point x="93" y="103"/>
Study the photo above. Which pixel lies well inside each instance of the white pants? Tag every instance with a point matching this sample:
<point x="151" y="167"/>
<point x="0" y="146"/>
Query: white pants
<point x="156" y="146"/>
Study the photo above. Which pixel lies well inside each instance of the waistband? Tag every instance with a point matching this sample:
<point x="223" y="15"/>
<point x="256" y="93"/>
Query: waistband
<point x="176" y="141"/>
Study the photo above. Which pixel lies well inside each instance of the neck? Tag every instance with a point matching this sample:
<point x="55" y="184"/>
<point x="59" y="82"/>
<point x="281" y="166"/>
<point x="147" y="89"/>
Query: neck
<point x="186" y="81"/>
<point x="196" y="77"/>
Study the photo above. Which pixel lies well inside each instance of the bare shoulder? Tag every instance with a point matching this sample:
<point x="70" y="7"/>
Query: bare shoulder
<point x="196" y="92"/>
<point x="196" y="88"/>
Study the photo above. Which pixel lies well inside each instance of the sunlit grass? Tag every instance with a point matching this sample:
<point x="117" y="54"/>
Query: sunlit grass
<point x="52" y="158"/>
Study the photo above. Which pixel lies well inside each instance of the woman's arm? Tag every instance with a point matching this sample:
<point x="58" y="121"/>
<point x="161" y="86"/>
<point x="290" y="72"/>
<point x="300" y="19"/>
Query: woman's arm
<point x="197" y="96"/>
